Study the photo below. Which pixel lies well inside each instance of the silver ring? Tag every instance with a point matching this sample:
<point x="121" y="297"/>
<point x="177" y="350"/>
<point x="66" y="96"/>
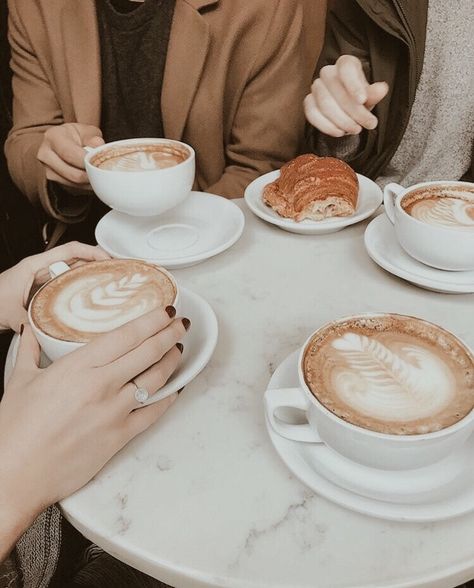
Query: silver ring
<point x="141" y="394"/>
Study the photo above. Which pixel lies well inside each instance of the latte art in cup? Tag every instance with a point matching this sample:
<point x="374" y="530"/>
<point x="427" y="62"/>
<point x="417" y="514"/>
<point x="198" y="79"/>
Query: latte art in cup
<point x="140" y="157"/>
<point x="442" y="206"/>
<point x="391" y="374"/>
<point x="98" y="297"/>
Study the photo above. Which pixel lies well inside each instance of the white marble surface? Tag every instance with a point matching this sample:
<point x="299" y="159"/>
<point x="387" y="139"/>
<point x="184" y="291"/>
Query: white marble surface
<point x="203" y="499"/>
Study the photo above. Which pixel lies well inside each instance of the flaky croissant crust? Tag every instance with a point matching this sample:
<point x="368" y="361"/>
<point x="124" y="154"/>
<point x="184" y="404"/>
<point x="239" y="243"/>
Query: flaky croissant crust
<point x="313" y="187"/>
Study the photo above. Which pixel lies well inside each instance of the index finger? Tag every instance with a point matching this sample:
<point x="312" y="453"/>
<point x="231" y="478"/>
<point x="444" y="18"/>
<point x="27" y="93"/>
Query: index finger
<point x="353" y="77"/>
<point x="109" y="347"/>
<point x="69" y="151"/>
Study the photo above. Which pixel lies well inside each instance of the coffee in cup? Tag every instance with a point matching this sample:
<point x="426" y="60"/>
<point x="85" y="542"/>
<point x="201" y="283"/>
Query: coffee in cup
<point x="391" y="374"/>
<point x="384" y="390"/>
<point x="141" y="157"/>
<point x="434" y="222"/>
<point x="141" y="177"/>
<point x="442" y="206"/>
<point x="94" y="298"/>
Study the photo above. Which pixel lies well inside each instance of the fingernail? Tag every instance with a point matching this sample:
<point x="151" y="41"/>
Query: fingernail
<point x="180" y="346"/>
<point x="180" y="390"/>
<point x="361" y="98"/>
<point x="171" y="311"/>
<point x="22" y="328"/>
<point x="186" y="323"/>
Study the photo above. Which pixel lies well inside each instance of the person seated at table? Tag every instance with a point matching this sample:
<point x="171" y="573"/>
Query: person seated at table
<point x="61" y="424"/>
<point x="393" y="96"/>
<point x="212" y="73"/>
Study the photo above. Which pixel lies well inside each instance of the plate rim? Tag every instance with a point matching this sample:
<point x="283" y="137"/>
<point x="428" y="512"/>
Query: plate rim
<point x="440" y="286"/>
<point x="182" y="261"/>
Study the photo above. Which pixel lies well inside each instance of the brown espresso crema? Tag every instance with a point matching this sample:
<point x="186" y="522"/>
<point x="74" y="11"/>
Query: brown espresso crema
<point x="444" y="205"/>
<point x="140" y="157"/>
<point x="392" y="374"/>
<point x="100" y="296"/>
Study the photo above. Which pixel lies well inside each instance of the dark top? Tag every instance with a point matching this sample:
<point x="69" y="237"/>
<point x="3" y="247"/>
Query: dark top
<point x="134" y="40"/>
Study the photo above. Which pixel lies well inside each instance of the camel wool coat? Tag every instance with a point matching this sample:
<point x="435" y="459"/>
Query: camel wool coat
<point x="236" y="74"/>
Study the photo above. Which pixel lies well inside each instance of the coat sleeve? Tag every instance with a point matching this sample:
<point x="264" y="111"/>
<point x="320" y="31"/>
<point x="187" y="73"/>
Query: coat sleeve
<point x="345" y="35"/>
<point x="35" y="109"/>
<point x="268" y="128"/>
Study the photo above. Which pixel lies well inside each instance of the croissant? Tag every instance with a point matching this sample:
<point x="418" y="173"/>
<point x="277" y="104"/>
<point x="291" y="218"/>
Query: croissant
<point x="313" y="187"/>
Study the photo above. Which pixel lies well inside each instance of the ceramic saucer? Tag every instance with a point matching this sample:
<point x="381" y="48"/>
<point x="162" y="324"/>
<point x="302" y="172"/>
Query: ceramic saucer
<point x="199" y="345"/>
<point x="199" y="228"/>
<point x="382" y="246"/>
<point x="370" y="198"/>
<point x="330" y="475"/>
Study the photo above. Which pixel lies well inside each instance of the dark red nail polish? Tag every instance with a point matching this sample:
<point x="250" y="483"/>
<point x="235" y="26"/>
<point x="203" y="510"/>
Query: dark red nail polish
<point x="22" y="328"/>
<point x="180" y="390"/>
<point x="180" y="346"/>
<point x="186" y="323"/>
<point x="171" y="311"/>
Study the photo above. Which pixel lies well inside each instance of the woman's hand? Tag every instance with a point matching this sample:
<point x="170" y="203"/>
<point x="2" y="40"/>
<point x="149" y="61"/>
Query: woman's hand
<point x="60" y="425"/>
<point x="16" y="283"/>
<point x="341" y="99"/>
<point x="62" y="153"/>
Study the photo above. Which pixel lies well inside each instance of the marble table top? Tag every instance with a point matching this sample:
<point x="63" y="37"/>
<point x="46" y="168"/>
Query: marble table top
<point x="202" y="499"/>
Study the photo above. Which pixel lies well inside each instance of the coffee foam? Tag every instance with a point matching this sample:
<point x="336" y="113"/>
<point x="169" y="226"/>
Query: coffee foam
<point x="391" y="374"/>
<point x="141" y="157"/>
<point x="99" y="297"/>
<point x="442" y="206"/>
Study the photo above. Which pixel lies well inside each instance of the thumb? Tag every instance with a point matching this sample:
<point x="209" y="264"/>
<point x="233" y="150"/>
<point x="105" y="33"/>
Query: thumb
<point x="375" y="93"/>
<point x="29" y="352"/>
<point x="91" y="136"/>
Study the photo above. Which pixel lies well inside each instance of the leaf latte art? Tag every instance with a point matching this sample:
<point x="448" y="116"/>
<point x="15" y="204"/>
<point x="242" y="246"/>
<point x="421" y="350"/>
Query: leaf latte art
<point x="390" y="373"/>
<point x="405" y="384"/>
<point x="445" y="212"/>
<point x="99" y="297"/>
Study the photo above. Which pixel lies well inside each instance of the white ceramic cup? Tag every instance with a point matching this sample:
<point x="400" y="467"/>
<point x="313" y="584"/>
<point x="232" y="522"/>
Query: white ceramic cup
<point x="55" y="348"/>
<point x="439" y="247"/>
<point x="369" y="448"/>
<point x="142" y="192"/>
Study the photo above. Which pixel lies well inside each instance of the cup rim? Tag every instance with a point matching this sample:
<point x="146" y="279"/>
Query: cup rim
<point x="137" y="140"/>
<point x="414" y="187"/>
<point x="75" y="343"/>
<point x="369" y="432"/>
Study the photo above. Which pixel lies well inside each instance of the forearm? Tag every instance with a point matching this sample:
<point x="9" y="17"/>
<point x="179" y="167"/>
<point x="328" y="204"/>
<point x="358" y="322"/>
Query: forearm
<point x="15" y="517"/>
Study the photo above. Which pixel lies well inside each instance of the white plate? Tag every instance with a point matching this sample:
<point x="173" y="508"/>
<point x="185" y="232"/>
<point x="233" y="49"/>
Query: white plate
<point x="382" y="246"/>
<point x="199" y="344"/>
<point x="311" y="463"/>
<point x="199" y="228"/>
<point x="370" y="198"/>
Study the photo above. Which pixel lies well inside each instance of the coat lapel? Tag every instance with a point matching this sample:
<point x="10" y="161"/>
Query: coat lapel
<point x="187" y="51"/>
<point x="82" y="54"/>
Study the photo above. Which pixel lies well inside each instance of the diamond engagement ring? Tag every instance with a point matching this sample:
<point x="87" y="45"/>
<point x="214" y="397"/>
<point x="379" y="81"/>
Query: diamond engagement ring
<point x="141" y="394"/>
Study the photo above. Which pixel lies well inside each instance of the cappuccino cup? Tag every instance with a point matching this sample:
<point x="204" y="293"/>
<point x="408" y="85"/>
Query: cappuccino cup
<point x="387" y="391"/>
<point x="80" y="303"/>
<point x="141" y="177"/>
<point x="434" y="222"/>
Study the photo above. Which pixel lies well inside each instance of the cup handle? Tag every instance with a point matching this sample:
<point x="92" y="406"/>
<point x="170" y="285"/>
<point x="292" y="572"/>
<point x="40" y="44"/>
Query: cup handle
<point x="391" y="191"/>
<point x="58" y="268"/>
<point x="289" y="398"/>
<point x="88" y="149"/>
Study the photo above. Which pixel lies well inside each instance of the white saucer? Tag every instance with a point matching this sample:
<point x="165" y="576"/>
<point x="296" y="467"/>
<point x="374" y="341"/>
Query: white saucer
<point x="199" y="228"/>
<point x="325" y="472"/>
<point x="383" y="247"/>
<point x="199" y="344"/>
<point x="370" y="198"/>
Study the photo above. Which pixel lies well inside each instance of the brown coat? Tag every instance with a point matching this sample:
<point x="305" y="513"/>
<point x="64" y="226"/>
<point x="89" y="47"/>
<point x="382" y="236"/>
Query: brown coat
<point x="235" y="77"/>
